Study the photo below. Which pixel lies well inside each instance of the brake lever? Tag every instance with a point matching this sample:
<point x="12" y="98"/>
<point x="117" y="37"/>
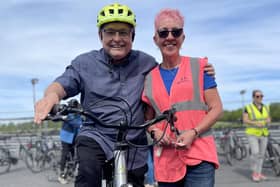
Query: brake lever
<point x="171" y="119"/>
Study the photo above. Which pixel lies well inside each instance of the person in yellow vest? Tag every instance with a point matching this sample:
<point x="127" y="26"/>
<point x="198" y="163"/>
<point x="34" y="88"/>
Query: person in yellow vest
<point x="188" y="158"/>
<point x="256" y="117"/>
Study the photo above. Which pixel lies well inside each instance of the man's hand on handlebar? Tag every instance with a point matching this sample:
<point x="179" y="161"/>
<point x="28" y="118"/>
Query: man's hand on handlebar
<point x="42" y="109"/>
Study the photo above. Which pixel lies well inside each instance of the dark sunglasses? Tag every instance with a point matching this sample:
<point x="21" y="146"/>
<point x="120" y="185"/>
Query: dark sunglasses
<point x="258" y="96"/>
<point x="176" y="33"/>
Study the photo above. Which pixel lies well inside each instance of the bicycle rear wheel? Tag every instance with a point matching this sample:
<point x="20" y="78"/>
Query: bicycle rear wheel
<point x="5" y="163"/>
<point x="275" y="161"/>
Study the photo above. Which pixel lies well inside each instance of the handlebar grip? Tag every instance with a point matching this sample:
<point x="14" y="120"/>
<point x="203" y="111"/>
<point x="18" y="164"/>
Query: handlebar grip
<point x="170" y="111"/>
<point x="58" y="109"/>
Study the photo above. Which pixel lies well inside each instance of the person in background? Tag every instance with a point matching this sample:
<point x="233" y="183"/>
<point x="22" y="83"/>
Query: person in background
<point x="114" y="71"/>
<point x="68" y="133"/>
<point x="189" y="157"/>
<point x="256" y="117"/>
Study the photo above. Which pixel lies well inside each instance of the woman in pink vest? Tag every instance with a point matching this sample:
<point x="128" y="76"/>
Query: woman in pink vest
<point x="190" y="157"/>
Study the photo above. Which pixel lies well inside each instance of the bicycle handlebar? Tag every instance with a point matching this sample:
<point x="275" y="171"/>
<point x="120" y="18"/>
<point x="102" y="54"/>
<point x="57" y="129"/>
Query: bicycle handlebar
<point x="60" y="111"/>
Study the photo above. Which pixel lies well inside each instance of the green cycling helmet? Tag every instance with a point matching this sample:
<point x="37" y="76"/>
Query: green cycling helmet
<point x="116" y="12"/>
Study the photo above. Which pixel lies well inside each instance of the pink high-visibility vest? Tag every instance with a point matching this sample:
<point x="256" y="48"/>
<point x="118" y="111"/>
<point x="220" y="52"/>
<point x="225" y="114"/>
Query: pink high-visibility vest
<point x="186" y="95"/>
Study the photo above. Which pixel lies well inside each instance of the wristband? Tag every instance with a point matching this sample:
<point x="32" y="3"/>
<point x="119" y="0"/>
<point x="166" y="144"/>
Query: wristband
<point x="195" y="131"/>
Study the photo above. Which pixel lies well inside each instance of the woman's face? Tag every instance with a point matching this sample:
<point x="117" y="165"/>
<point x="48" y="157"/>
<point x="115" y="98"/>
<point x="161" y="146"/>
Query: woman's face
<point x="258" y="97"/>
<point x="169" y="37"/>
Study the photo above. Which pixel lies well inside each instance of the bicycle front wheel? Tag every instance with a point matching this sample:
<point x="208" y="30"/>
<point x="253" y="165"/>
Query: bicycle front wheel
<point x="228" y="151"/>
<point x="5" y="163"/>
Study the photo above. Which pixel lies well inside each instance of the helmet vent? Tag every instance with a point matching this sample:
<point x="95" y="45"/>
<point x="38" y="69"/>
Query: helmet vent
<point x="116" y="13"/>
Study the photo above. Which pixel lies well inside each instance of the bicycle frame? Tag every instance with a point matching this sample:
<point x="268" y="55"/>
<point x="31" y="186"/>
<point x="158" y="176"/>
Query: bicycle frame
<point x="60" y="112"/>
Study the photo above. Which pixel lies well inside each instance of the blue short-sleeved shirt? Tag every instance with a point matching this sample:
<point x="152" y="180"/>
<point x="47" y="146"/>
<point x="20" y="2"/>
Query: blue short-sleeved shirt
<point x="95" y="78"/>
<point x="169" y="75"/>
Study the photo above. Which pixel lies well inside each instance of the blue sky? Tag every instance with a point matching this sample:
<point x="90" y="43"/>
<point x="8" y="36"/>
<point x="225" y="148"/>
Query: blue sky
<point x="39" y="38"/>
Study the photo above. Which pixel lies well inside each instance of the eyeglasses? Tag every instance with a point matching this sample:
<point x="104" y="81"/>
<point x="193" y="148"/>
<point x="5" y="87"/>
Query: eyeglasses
<point x="258" y="96"/>
<point x="124" y="33"/>
<point x="176" y="32"/>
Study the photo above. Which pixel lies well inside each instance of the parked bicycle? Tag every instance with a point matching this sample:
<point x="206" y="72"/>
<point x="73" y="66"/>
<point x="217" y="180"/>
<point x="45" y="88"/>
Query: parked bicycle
<point x="6" y="158"/>
<point x="272" y="155"/>
<point x="23" y="148"/>
<point x="43" y="155"/>
<point x="119" y="176"/>
<point x="25" y="152"/>
<point x="232" y="146"/>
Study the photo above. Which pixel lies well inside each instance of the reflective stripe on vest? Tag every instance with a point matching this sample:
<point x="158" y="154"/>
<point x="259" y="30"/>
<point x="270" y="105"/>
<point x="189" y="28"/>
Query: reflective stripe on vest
<point x="196" y="104"/>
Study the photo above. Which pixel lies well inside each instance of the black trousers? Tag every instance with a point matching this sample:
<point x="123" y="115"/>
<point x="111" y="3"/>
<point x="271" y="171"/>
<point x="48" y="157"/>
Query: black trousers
<point x="92" y="160"/>
<point x="66" y="150"/>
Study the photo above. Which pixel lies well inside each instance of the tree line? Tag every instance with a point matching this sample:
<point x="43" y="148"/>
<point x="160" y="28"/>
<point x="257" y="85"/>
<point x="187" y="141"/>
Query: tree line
<point x="234" y="117"/>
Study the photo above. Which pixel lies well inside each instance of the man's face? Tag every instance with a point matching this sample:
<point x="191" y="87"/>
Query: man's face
<point x="116" y="39"/>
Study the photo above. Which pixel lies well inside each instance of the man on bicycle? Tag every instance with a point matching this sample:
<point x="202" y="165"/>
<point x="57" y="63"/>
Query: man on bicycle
<point x="114" y="71"/>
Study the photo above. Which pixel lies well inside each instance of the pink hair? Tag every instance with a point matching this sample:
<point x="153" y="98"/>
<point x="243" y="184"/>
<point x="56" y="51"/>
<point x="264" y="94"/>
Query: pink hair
<point x="169" y="13"/>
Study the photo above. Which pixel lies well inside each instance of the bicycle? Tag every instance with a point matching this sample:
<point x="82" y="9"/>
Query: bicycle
<point x="42" y="156"/>
<point x="272" y="156"/>
<point x="25" y="152"/>
<point x="6" y="158"/>
<point x="119" y="176"/>
<point x="70" y="170"/>
<point x="232" y="146"/>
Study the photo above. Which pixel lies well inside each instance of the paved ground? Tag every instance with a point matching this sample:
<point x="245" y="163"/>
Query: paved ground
<point x="226" y="176"/>
<point x="239" y="176"/>
<point x="20" y="176"/>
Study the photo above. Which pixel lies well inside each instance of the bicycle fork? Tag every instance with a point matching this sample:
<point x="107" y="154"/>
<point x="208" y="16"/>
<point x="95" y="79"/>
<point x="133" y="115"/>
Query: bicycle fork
<point x="120" y="168"/>
<point x="120" y="175"/>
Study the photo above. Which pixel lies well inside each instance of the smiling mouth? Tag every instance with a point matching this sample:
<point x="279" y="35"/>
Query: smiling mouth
<point x="172" y="44"/>
<point x="117" y="46"/>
